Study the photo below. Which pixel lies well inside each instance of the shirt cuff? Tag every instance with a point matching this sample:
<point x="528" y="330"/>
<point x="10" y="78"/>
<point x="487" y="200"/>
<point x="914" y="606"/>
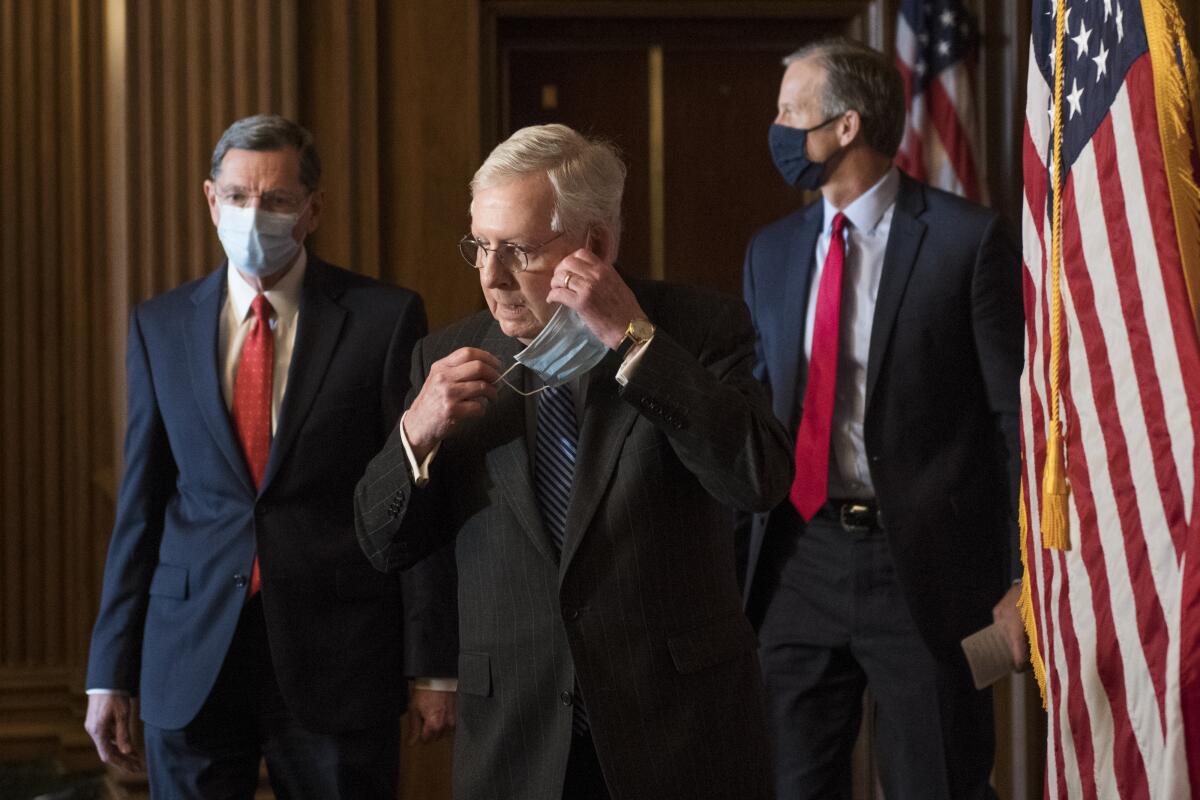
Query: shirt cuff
<point x="632" y="359"/>
<point x="419" y="472"/>
<point x="436" y="684"/>
<point x="119" y="692"/>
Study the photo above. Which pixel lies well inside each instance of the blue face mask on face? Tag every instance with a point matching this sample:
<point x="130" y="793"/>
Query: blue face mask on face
<point x="258" y="243"/>
<point x="566" y="348"/>
<point x="788" y="150"/>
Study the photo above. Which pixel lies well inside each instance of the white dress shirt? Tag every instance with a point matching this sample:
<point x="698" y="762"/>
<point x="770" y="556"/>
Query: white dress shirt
<point x="870" y="221"/>
<point x="237" y="319"/>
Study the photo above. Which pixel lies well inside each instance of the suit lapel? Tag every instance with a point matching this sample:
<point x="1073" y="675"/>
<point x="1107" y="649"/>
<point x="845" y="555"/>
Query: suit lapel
<point x="796" y="282"/>
<point x="200" y="344"/>
<point x="605" y="426"/>
<point x="508" y="460"/>
<point x="904" y="242"/>
<point x="318" y="328"/>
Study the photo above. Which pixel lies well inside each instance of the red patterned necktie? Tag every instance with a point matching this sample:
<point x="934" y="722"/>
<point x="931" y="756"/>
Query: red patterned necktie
<point x="810" y="489"/>
<point x="252" y="400"/>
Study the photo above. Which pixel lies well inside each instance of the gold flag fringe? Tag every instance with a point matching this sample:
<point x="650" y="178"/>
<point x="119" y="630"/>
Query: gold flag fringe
<point x="1177" y="99"/>
<point x="1025" y="604"/>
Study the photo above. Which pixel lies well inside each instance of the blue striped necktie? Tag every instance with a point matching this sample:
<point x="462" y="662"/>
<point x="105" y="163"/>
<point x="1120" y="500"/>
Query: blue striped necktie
<point x="554" y="473"/>
<point x="554" y="458"/>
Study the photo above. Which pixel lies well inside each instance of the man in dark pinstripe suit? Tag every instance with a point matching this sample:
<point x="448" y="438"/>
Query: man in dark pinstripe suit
<point x="606" y="656"/>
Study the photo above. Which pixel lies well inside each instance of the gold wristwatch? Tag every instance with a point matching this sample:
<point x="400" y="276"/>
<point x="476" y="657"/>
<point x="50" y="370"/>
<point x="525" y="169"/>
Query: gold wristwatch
<point x="639" y="331"/>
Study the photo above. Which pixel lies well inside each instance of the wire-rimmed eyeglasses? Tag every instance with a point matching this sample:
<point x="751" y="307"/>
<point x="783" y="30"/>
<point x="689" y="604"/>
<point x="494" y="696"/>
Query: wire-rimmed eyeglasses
<point x="513" y="257"/>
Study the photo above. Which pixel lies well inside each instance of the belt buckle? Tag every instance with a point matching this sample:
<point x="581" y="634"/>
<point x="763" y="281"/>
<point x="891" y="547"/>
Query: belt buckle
<point x="848" y="511"/>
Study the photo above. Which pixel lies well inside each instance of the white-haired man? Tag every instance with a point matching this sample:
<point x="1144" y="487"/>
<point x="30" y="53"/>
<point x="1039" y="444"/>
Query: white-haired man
<point x="603" y="651"/>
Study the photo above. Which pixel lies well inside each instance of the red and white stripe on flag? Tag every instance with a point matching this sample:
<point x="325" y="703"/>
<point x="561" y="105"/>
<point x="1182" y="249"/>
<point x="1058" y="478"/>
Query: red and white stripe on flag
<point x="935" y="53"/>
<point x="1110" y="615"/>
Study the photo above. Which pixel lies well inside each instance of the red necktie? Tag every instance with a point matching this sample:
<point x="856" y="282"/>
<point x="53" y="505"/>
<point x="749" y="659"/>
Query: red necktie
<point x="810" y="489"/>
<point x="252" y="400"/>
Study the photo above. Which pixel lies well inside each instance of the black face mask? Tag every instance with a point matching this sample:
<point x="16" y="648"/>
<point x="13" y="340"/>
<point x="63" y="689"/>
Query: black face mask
<point x="791" y="157"/>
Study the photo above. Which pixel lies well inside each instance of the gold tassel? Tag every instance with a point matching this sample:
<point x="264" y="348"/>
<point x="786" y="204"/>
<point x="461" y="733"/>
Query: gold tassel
<point x="1055" y="531"/>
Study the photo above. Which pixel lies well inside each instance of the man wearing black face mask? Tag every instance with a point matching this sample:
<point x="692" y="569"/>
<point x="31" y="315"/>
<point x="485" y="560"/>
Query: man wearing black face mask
<point x="237" y="608"/>
<point x="889" y="331"/>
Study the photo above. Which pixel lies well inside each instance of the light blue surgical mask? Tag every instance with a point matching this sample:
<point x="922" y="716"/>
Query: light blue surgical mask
<point x="258" y="243"/>
<point x="565" y="349"/>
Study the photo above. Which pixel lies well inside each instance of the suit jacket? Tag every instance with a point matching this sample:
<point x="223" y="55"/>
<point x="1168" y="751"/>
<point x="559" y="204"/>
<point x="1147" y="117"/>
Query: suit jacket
<point x="941" y="399"/>
<point x="642" y="609"/>
<point x="189" y="519"/>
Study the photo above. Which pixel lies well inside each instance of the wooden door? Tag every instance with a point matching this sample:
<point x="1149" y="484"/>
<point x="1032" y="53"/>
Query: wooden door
<point x="689" y="103"/>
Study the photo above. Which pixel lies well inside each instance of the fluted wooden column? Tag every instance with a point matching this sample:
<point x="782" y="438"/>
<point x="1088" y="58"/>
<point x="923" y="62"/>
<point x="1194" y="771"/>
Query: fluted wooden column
<point x="55" y="448"/>
<point x="429" y="129"/>
<point x="178" y="73"/>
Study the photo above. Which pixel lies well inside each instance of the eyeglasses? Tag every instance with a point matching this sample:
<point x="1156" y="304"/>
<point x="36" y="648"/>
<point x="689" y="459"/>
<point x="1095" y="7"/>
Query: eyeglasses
<point x="275" y="201"/>
<point x="512" y="257"/>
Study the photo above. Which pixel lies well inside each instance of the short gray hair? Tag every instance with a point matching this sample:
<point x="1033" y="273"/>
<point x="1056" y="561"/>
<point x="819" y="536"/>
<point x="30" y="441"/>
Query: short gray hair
<point x="587" y="175"/>
<point x="859" y="78"/>
<point x="266" y="132"/>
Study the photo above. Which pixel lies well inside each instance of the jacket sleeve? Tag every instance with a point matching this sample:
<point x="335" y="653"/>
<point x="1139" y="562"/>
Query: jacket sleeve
<point x="114" y="660"/>
<point x="429" y="589"/>
<point x="713" y="410"/>
<point x="997" y="318"/>
<point x="386" y="500"/>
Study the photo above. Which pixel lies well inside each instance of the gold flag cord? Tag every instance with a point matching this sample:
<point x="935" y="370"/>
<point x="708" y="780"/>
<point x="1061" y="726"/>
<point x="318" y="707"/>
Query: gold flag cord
<point x="1055" y="529"/>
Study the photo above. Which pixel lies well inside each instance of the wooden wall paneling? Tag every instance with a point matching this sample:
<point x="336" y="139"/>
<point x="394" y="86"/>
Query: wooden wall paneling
<point x="48" y="316"/>
<point x="54" y="416"/>
<point x="173" y="178"/>
<point x="116" y="124"/>
<point x="96" y="403"/>
<point x="339" y="78"/>
<point x="10" y="201"/>
<point x="429" y="121"/>
<point x="200" y="114"/>
<point x="32" y="516"/>
<point x="83" y="294"/>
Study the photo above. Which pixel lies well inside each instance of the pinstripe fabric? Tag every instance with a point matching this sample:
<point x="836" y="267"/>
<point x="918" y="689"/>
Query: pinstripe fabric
<point x="554" y="467"/>
<point x="641" y="610"/>
<point x="554" y="473"/>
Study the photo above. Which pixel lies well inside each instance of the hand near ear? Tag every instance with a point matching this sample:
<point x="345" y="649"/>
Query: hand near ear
<point x="586" y="282"/>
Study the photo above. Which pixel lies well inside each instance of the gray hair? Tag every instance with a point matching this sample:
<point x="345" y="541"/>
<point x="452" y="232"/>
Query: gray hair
<point x="859" y="78"/>
<point x="265" y="132"/>
<point x="587" y="175"/>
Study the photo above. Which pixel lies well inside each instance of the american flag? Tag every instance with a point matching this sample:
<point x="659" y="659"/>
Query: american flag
<point x="1113" y="620"/>
<point x="935" y="52"/>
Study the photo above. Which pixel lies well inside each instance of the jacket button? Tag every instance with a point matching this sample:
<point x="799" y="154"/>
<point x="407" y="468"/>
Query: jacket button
<point x="570" y="614"/>
<point x="239" y="580"/>
<point x="566" y="698"/>
<point x="261" y="509"/>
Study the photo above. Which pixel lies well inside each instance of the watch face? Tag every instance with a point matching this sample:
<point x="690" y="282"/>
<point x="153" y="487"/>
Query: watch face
<point x="640" y="330"/>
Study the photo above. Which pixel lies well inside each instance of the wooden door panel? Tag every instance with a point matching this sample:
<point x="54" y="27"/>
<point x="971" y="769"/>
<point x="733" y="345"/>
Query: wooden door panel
<point x="600" y="92"/>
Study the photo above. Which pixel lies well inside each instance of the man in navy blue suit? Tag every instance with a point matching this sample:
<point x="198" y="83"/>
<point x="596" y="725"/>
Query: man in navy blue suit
<point x="237" y="606"/>
<point x="889" y="325"/>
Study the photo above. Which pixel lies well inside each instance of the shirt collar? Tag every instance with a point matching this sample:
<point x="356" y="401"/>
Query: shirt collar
<point x="868" y="208"/>
<point x="284" y="296"/>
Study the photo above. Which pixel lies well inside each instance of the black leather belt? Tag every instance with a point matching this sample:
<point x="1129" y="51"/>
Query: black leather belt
<point x="855" y="516"/>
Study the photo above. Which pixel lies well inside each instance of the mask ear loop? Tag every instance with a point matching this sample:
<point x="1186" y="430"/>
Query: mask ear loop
<point x="503" y="379"/>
